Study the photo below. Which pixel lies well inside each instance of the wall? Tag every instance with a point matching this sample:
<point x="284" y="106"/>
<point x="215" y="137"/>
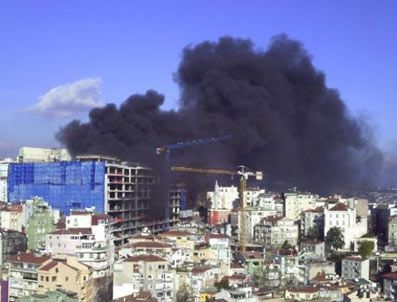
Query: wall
<point x="64" y="185"/>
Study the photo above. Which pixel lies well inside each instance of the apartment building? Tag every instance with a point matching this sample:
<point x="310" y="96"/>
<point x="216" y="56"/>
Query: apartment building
<point x="23" y="274"/>
<point x="144" y="273"/>
<point x="221" y="202"/>
<point x="11" y="242"/>
<point x="296" y="202"/>
<point x="68" y="274"/>
<point x="346" y="219"/>
<point x="88" y="237"/>
<point x="355" y="267"/>
<point x="392" y="231"/>
<point x="312" y="220"/>
<point x="273" y="231"/>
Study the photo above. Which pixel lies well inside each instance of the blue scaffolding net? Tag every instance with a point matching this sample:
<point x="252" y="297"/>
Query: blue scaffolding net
<point x="64" y="185"/>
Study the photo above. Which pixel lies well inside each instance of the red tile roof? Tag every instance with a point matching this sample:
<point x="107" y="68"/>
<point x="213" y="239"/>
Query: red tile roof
<point x="29" y="258"/>
<point x="316" y="210"/>
<point x="97" y="217"/>
<point x="200" y="269"/>
<point x="339" y="207"/>
<point x="311" y="289"/>
<point x="273" y="219"/>
<point x="218" y="236"/>
<point x="355" y="258"/>
<point x="48" y="266"/>
<point x="145" y="258"/>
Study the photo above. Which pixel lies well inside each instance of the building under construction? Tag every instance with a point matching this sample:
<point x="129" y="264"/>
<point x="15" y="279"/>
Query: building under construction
<point x="120" y="189"/>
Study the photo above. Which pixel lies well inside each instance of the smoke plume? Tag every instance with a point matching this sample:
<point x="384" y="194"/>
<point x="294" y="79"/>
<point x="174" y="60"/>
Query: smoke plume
<point x="284" y="120"/>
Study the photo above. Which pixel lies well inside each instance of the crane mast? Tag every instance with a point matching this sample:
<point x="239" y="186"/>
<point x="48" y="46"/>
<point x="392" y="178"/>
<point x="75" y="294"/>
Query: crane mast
<point x="244" y="174"/>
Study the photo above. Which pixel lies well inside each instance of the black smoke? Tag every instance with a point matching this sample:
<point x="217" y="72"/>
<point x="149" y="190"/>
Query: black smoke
<point x="284" y="120"/>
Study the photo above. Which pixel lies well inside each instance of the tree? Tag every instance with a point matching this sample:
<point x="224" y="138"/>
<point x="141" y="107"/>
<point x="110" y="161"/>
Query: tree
<point x="184" y="294"/>
<point x="365" y="248"/>
<point x="334" y="238"/>
<point x="286" y="245"/>
<point x="313" y="233"/>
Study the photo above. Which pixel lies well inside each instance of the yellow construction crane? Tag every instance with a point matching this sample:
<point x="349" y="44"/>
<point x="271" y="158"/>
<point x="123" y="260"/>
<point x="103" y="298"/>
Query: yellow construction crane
<point x="244" y="174"/>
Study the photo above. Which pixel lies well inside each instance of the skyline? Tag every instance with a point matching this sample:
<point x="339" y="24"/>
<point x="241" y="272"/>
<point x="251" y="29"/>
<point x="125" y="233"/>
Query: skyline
<point x="104" y="61"/>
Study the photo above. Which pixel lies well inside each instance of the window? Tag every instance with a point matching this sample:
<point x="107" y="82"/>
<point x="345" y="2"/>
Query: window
<point x="66" y="279"/>
<point x="41" y="278"/>
<point x="47" y="279"/>
<point x="54" y="278"/>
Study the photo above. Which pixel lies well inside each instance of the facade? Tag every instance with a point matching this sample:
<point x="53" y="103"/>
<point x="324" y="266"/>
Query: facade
<point x="313" y="220"/>
<point x="3" y="179"/>
<point x="355" y="267"/>
<point x="87" y="236"/>
<point x="392" y="231"/>
<point x="68" y="274"/>
<point x="222" y="197"/>
<point x="346" y="219"/>
<point x="40" y="223"/>
<point x="390" y="286"/>
<point x="120" y="189"/>
<point x="144" y="273"/>
<point x="65" y="185"/>
<point x="11" y="242"/>
<point x="313" y="247"/>
<point x="273" y="231"/>
<point x="296" y="202"/>
<point x="22" y="274"/>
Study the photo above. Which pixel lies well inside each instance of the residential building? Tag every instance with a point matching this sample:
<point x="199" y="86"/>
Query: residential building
<point x="296" y="202"/>
<point x="23" y="274"/>
<point x="11" y="243"/>
<point x="180" y="239"/>
<point x="313" y="222"/>
<point x="40" y="223"/>
<point x="203" y="277"/>
<point x="221" y="202"/>
<point x="273" y="231"/>
<point x="355" y="267"/>
<point x="390" y="286"/>
<point x="88" y="237"/>
<point x="316" y="248"/>
<point x="144" y="273"/>
<point x="392" y="231"/>
<point x="69" y="274"/>
<point x="346" y="220"/>
<point x="3" y="178"/>
<point x="11" y="217"/>
<point x="236" y="295"/>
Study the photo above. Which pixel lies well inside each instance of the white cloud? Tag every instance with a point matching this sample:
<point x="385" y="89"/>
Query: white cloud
<point x="70" y="99"/>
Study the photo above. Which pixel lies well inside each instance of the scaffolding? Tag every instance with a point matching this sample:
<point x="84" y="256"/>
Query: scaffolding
<point x="64" y="185"/>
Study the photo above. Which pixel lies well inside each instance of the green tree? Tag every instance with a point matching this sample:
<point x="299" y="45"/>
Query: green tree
<point x="184" y="294"/>
<point x="312" y="233"/>
<point x="365" y="248"/>
<point x="334" y="239"/>
<point x="286" y="245"/>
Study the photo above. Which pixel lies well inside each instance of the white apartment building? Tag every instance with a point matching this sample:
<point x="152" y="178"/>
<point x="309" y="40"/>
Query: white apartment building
<point x="251" y="196"/>
<point x="3" y="178"/>
<point x="222" y="197"/>
<point x="355" y="267"/>
<point x="87" y="236"/>
<point x="255" y="216"/>
<point x="144" y="273"/>
<point x="312" y="219"/>
<point x="392" y="231"/>
<point x="341" y="216"/>
<point x="296" y="202"/>
<point x="271" y="202"/>
<point x="273" y="231"/>
<point x="23" y="274"/>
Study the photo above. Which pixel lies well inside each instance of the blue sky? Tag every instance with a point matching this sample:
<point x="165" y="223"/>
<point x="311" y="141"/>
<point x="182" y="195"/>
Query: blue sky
<point x="103" y="51"/>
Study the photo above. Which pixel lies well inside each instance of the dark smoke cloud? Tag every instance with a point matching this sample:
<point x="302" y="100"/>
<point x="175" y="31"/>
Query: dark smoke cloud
<point x="284" y="119"/>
